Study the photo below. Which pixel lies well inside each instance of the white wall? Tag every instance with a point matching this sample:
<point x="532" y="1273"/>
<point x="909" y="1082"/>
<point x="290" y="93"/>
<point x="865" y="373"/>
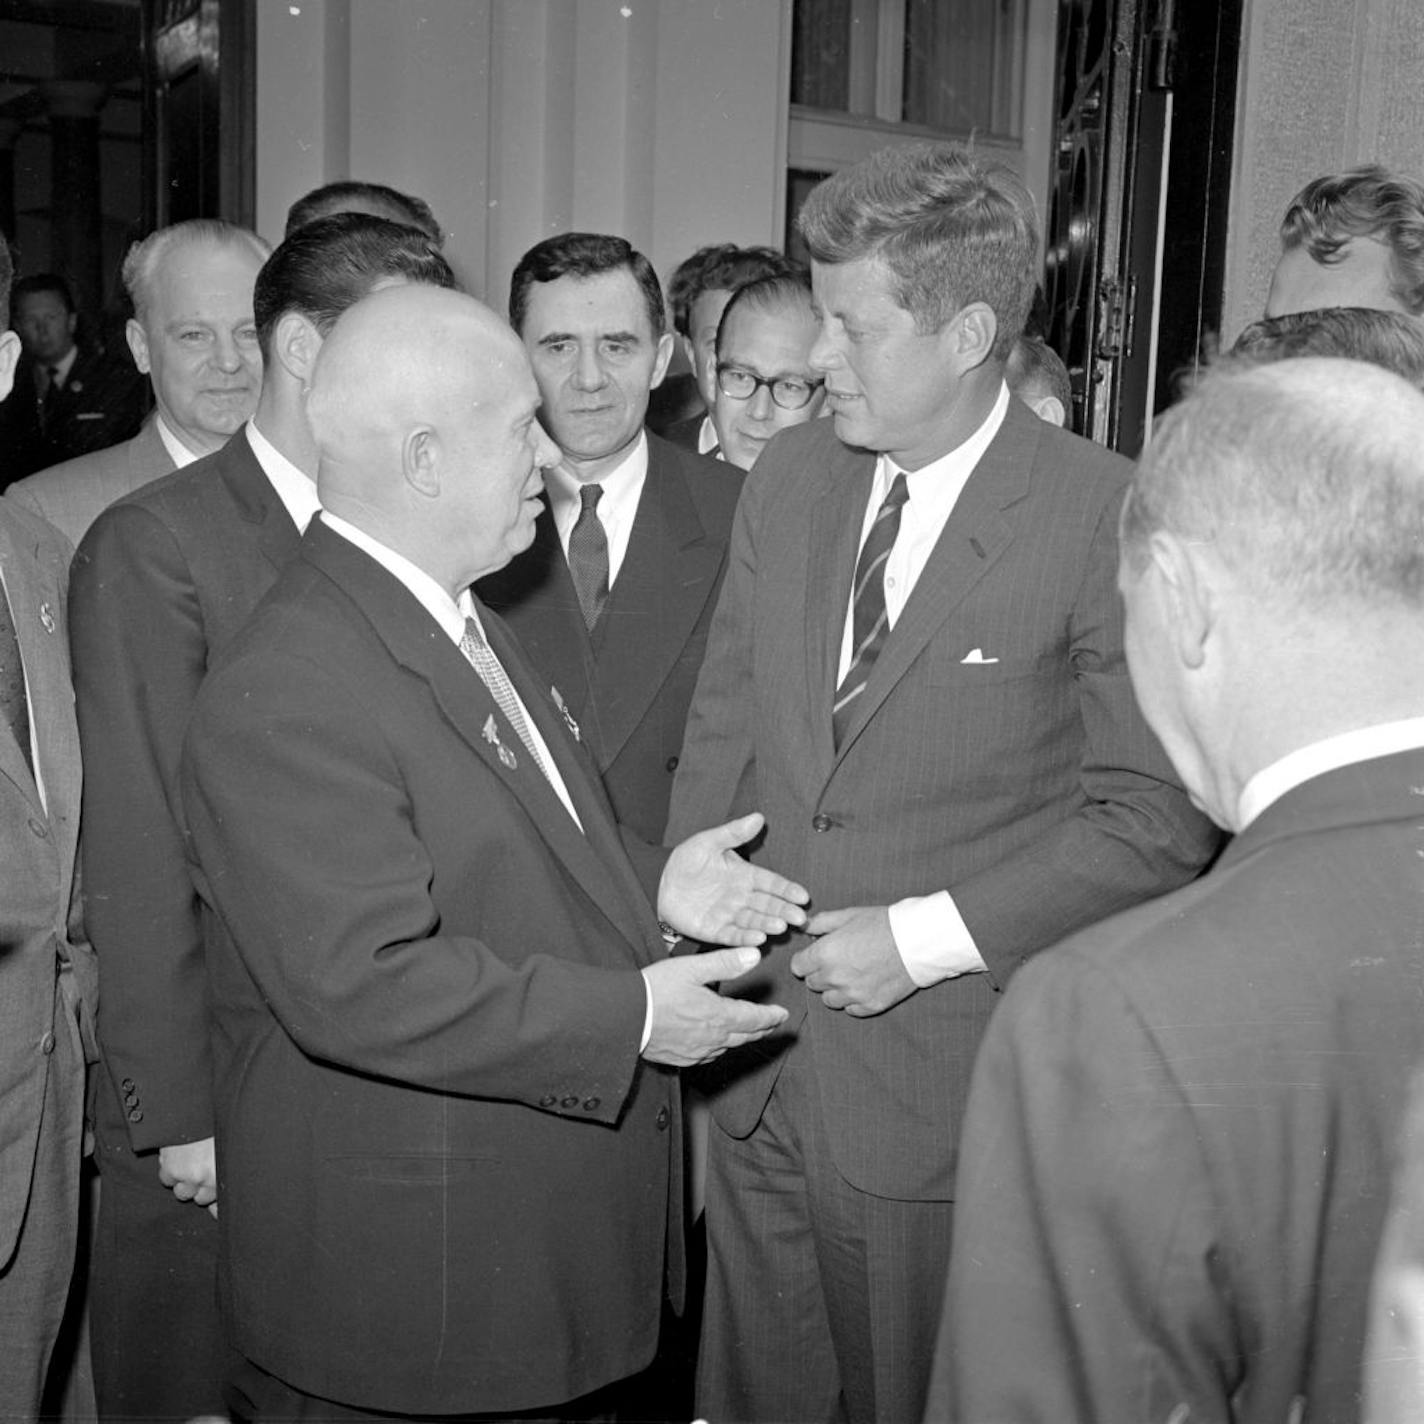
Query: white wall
<point x="662" y="120"/>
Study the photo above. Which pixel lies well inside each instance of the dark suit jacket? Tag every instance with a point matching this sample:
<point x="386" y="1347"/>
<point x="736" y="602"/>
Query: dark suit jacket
<point x="161" y="583"/>
<point x="40" y="923"/>
<point x="630" y="685"/>
<point x="446" y="1176"/>
<point x="100" y="404"/>
<point x="71" y="495"/>
<point x="1029" y="787"/>
<point x="1177" y="1152"/>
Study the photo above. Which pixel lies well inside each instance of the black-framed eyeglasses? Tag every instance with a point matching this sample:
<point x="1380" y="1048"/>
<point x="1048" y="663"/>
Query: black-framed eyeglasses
<point x="789" y="392"/>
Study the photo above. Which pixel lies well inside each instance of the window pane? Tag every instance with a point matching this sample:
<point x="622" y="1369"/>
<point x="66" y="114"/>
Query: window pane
<point x="961" y="62"/>
<point x="820" y="54"/>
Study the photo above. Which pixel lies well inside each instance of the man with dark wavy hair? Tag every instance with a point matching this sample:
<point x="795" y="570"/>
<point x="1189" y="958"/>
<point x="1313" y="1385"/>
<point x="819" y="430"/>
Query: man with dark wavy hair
<point x="1353" y="239"/>
<point x="162" y="581"/>
<point x="916" y="670"/>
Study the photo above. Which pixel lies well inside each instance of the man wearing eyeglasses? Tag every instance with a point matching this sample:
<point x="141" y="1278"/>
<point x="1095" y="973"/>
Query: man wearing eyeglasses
<point x="765" y="382"/>
<point x="613" y="600"/>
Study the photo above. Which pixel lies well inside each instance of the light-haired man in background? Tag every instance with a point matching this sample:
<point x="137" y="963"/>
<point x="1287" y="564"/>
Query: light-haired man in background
<point x="192" y="333"/>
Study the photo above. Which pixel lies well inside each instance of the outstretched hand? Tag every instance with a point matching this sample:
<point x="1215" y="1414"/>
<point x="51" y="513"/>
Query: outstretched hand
<point x="692" y="1022"/>
<point x="708" y="892"/>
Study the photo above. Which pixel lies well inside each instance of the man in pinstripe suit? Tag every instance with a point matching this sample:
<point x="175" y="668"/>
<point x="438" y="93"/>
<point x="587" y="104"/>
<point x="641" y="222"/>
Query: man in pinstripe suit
<point x="916" y="671"/>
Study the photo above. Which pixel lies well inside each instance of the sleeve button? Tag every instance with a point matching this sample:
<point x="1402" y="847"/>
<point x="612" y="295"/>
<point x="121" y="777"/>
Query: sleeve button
<point x="548" y="1101"/>
<point x="569" y="1102"/>
<point x="590" y="1104"/>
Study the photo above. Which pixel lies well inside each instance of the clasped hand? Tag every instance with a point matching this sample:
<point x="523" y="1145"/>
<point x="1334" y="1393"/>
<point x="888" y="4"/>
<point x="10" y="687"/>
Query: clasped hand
<point x="853" y="963"/>
<point x="190" y="1171"/>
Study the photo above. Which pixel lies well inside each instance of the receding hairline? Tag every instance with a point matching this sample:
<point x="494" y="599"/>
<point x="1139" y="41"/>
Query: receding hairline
<point x="141" y="262"/>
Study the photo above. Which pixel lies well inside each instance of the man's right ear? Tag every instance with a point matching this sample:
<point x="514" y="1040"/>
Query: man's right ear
<point x="9" y="355"/>
<point x="137" y="339"/>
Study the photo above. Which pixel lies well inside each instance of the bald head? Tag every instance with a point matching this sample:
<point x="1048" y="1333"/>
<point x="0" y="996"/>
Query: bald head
<point x="1306" y="476"/>
<point x="423" y="406"/>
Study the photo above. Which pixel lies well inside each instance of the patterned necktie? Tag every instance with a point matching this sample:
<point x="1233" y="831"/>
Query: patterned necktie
<point x="588" y="556"/>
<point x="14" y="706"/>
<point x="870" y="624"/>
<point x="481" y="657"/>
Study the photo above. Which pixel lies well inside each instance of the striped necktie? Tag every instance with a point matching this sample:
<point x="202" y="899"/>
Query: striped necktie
<point x="481" y="657"/>
<point x="870" y="623"/>
<point x="588" y="556"/>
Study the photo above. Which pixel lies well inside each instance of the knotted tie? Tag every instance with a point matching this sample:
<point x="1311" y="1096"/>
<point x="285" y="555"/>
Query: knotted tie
<point x="870" y="624"/>
<point x="14" y="706"/>
<point x="481" y="657"/>
<point x="588" y="556"/>
<point x="51" y="394"/>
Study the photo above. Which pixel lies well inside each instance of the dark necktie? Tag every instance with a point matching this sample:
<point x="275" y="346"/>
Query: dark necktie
<point x="481" y="657"/>
<point x="588" y="556"/>
<point x="870" y="624"/>
<point x="50" y="396"/>
<point x="14" y="706"/>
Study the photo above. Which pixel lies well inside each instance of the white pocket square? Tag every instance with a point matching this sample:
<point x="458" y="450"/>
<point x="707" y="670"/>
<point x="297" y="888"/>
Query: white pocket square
<point x="977" y="656"/>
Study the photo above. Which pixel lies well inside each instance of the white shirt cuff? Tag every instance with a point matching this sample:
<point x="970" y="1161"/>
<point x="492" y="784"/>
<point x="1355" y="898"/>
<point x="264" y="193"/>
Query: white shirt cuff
<point x="647" y="1015"/>
<point x="933" y="940"/>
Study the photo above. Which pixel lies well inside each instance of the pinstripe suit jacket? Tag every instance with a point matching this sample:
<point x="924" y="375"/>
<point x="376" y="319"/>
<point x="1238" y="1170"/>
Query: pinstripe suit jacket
<point x="1029" y="787"/>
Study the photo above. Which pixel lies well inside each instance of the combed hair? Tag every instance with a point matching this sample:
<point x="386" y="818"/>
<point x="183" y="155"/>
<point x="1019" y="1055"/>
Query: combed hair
<point x="1384" y="338"/>
<point x="584" y="254"/>
<point x="44" y="282"/>
<point x="951" y="228"/>
<point x="790" y="293"/>
<point x="144" y="257"/>
<point x="337" y="197"/>
<point x="328" y="265"/>
<point x="1035" y="367"/>
<point x="1369" y="201"/>
<point x="1306" y="476"/>
<point x="722" y="267"/>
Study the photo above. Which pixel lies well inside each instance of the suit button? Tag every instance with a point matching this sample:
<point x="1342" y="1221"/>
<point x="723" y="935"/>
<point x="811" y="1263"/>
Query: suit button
<point x="135" y="1114"/>
<point x="39" y="828"/>
<point x="570" y="1102"/>
<point x="548" y="1100"/>
<point x="672" y="763"/>
<point x="47" y="1043"/>
<point x="663" y="1118"/>
<point x="821" y="823"/>
<point x="590" y="1104"/>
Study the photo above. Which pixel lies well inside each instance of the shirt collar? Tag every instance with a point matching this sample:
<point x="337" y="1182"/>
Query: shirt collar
<point x="621" y="486"/>
<point x="295" y="488"/>
<point x="1305" y="763"/>
<point x="431" y="596"/>
<point x="64" y="366"/>
<point x="180" y="454"/>
<point x="707" y="440"/>
<point x="939" y="483"/>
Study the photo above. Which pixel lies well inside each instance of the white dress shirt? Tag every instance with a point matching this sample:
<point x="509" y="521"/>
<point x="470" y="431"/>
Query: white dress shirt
<point x="62" y="368"/>
<point x="1363" y="744"/>
<point x="178" y="452"/>
<point x="294" y="487"/>
<point x="617" y="508"/>
<point x="930" y="934"/>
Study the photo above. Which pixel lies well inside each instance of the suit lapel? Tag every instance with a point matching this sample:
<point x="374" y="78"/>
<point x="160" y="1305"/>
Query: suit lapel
<point x="257" y="501"/>
<point x="834" y="538"/>
<point x="38" y="607"/>
<point x="975" y="536"/>
<point x="418" y="643"/>
<point x="663" y="585"/>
